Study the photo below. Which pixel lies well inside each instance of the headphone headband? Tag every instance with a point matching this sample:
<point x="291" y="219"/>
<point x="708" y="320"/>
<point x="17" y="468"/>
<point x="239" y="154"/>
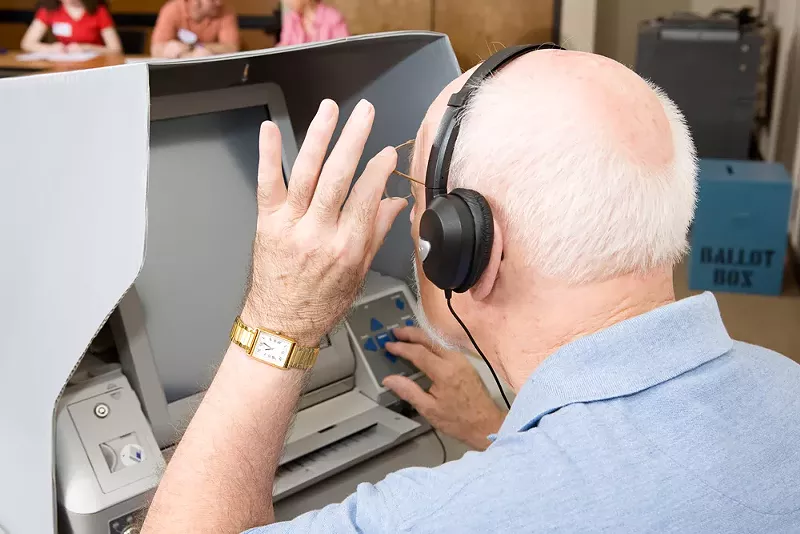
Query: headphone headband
<point x="456" y="230"/>
<point x="438" y="170"/>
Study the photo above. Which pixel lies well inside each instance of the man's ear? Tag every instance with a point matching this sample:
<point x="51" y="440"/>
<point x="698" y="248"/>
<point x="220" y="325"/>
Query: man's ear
<point x="486" y="282"/>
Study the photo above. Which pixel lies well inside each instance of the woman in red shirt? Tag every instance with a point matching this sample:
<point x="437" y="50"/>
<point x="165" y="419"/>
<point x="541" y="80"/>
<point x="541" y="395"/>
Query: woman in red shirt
<point x="78" y="25"/>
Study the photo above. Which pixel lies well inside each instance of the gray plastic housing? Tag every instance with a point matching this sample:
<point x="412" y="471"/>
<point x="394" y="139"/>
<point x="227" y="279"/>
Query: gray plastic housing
<point x="172" y="327"/>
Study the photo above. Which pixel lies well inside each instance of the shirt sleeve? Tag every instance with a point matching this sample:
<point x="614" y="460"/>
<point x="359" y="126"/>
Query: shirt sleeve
<point x="289" y="29"/>
<point x="104" y="19"/>
<point x="43" y="15"/>
<point x="229" y="30"/>
<point x="166" y="27"/>
<point x="395" y="504"/>
<point x="339" y="28"/>
<point x="366" y="510"/>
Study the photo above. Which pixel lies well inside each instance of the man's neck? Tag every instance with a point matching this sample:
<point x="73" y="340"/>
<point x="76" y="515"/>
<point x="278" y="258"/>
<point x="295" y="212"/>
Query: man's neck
<point x="197" y="15"/>
<point x="555" y="315"/>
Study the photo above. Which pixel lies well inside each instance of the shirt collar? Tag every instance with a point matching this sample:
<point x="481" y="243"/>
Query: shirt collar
<point x="626" y="358"/>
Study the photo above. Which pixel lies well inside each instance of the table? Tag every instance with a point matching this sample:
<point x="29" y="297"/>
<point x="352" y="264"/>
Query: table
<point x="11" y="66"/>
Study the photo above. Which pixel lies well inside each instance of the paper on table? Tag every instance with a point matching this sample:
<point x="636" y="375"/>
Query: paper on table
<point x="144" y="59"/>
<point x="70" y="57"/>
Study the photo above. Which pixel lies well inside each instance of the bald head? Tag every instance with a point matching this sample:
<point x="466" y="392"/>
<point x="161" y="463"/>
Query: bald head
<point x="583" y="89"/>
<point x="589" y="169"/>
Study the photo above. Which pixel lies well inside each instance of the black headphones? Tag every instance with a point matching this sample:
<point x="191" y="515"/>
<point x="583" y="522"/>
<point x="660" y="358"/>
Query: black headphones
<point x="457" y="229"/>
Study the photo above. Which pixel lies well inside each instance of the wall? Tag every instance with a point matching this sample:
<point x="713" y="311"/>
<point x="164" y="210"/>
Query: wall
<point x="780" y="141"/>
<point x="578" y="24"/>
<point x="618" y="20"/>
<point x="475" y="27"/>
<point x="704" y="7"/>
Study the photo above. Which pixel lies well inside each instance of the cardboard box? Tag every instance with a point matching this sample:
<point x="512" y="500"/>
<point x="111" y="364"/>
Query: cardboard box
<point x="739" y="236"/>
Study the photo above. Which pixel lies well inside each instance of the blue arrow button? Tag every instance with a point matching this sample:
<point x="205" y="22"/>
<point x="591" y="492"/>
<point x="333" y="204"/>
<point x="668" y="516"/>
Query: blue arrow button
<point x="400" y="303"/>
<point x="391" y="357"/>
<point x="409" y="322"/>
<point x="375" y="324"/>
<point x="370" y="345"/>
<point x="383" y="339"/>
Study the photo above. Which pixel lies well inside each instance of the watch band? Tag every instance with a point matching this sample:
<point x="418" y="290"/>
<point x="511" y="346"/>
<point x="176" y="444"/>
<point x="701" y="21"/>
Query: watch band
<point x="303" y="357"/>
<point x="243" y="335"/>
<point x="247" y="337"/>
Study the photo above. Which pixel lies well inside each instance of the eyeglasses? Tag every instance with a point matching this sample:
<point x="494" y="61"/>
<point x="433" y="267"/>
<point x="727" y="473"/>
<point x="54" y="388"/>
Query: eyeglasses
<point x="395" y="187"/>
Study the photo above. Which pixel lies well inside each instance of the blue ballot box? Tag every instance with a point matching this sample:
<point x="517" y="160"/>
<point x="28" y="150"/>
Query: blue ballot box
<point x="739" y="236"/>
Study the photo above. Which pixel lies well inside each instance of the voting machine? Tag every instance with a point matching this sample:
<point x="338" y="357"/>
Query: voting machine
<point x="125" y="408"/>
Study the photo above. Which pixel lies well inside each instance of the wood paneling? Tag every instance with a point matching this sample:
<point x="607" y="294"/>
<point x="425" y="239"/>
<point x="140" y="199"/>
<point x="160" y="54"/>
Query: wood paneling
<point x="11" y="35"/>
<point x="371" y="16"/>
<point x="477" y="27"/>
<point x="256" y="40"/>
<point x="25" y="5"/>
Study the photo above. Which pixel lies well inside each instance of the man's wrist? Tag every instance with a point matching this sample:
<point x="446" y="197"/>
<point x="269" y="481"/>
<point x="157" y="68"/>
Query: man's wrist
<point x="304" y="334"/>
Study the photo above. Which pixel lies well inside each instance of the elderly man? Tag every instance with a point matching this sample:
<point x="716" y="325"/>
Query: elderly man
<point x="634" y="413"/>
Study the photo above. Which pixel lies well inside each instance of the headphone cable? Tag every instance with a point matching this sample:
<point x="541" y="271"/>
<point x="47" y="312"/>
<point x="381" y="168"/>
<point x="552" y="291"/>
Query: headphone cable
<point x="447" y="295"/>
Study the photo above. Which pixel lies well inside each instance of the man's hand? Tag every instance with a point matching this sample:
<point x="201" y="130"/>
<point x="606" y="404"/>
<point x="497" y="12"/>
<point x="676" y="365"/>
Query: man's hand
<point x="58" y="47"/>
<point x="310" y="255"/>
<point x="309" y="259"/>
<point x="199" y="51"/>
<point x="175" y="49"/>
<point x="457" y="403"/>
<point x="75" y="47"/>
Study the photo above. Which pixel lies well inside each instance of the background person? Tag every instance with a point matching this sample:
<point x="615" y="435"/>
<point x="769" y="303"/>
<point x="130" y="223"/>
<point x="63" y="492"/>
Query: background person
<point x="195" y="28"/>
<point x="78" y="26"/>
<point x="307" y="21"/>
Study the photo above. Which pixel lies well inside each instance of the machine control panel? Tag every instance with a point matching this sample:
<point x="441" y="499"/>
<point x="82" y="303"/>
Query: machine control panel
<point x="371" y="324"/>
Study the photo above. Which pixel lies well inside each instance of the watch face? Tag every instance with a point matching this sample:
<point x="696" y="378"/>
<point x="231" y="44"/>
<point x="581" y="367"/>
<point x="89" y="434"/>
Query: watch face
<point x="272" y="349"/>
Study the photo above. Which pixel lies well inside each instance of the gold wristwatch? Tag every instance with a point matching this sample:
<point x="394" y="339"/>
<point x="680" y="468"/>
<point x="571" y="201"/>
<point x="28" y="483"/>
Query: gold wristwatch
<point x="272" y="348"/>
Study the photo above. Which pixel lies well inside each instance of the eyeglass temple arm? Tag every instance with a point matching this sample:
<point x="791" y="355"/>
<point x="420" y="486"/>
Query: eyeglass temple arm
<point x="407" y="177"/>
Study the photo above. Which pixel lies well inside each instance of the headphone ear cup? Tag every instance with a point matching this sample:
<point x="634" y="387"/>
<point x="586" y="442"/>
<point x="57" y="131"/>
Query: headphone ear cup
<point x="484" y="235"/>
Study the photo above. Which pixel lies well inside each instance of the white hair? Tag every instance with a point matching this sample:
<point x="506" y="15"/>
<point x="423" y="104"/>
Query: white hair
<point x="581" y="209"/>
<point x="436" y="335"/>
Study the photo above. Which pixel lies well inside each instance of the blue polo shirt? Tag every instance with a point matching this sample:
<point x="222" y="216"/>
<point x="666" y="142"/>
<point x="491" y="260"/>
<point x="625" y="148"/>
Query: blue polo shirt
<point x="660" y="423"/>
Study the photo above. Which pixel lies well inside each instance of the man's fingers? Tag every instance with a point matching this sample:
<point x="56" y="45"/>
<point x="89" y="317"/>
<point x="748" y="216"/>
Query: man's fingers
<point x="413" y="334"/>
<point x="271" y="189"/>
<point x="337" y="174"/>
<point x="425" y="360"/>
<point x="307" y="167"/>
<point x="388" y="211"/>
<point x="409" y="391"/>
<point x="358" y="218"/>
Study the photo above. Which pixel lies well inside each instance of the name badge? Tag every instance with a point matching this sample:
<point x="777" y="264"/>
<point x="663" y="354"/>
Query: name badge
<point x="62" y="29"/>
<point x="187" y="37"/>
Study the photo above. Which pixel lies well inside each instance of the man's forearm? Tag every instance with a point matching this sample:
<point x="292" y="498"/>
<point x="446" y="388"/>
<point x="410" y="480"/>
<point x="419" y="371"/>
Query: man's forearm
<point x="221" y="476"/>
<point x="310" y="256"/>
<point x="157" y="49"/>
<point x="221" y="48"/>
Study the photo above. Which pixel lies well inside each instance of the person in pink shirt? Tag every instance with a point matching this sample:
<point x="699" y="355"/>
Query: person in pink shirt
<point x="306" y="21"/>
